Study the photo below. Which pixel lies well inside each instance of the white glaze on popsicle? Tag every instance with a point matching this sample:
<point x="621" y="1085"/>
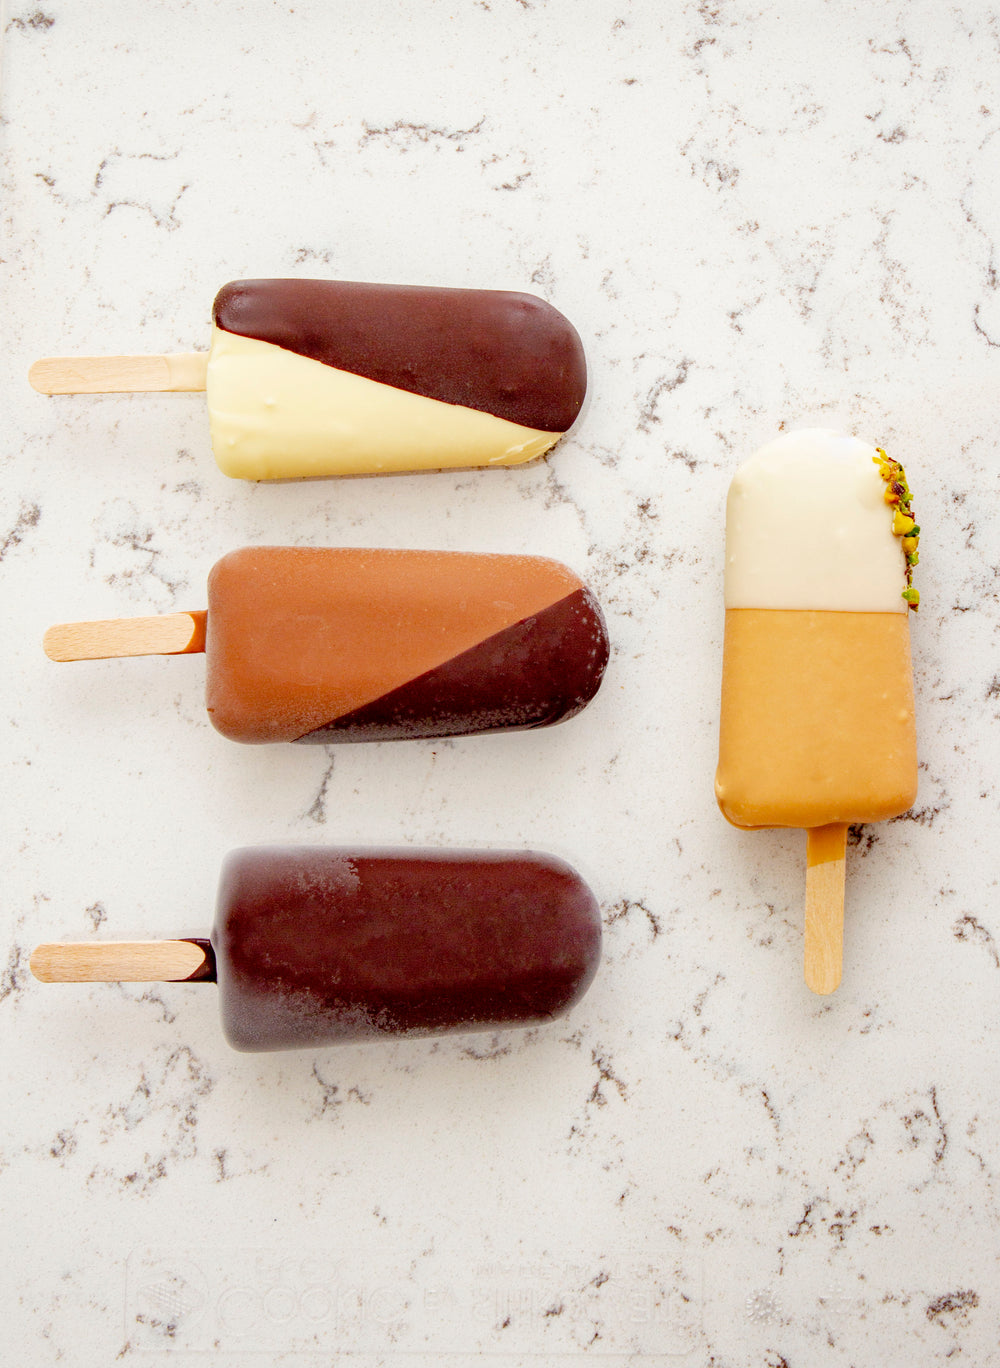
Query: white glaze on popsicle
<point x="807" y="527"/>
<point x="275" y="415"/>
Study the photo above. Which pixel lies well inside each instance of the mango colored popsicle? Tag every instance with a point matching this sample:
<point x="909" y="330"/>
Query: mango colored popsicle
<point x="324" y="377"/>
<point x="339" y="644"/>
<point x="817" y="727"/>
<point x="322" y="946"/>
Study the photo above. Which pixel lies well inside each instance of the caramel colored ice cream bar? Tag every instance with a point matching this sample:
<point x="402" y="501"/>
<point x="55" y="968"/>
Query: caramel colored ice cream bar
<point x="341" y="644"/>
<point x="817" y="693"/>
<point x="817" y="726"/>
<point x="316" y="947"/>
<point x="308" y="378"/>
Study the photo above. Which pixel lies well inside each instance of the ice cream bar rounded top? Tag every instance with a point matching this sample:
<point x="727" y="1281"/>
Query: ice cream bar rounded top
<point x="321" y="945"/>
<point x="807" y="527"/>
<point x="508" y="354"/>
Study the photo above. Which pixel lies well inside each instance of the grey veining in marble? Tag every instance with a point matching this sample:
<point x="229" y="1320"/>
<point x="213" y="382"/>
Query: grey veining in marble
<point x="757" y="215"/>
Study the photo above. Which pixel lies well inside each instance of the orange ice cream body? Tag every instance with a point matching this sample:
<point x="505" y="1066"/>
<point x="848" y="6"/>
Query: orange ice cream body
<point x="817" y="721"/>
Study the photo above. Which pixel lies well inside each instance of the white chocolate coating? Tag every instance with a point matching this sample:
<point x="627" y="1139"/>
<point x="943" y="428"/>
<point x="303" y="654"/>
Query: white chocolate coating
<point x="275" y="415"/>
<point x="807" y="526"/>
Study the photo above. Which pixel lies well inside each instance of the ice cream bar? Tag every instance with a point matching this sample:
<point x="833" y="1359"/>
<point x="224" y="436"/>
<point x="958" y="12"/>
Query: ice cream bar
<point x="817" y="727"/>
<point x="315" y="947"/>
<point x="325" y="377"/>
<point x="339" y="644"/>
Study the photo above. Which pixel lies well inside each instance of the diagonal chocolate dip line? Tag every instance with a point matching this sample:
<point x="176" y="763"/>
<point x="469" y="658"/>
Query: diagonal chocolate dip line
<point x="541" y="670"/>
<point x="511" y="355"/>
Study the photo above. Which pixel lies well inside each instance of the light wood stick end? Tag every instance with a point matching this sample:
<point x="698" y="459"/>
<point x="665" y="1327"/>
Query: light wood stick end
<point x="170" y="961"/>
<point x="826" y="854"/>
<point x="119" y="374"/>
<point x="172" y="634"/>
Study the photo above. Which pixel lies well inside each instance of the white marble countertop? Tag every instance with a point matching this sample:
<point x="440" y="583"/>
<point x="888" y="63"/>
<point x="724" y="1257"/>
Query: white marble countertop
<point x="757" y="216"/>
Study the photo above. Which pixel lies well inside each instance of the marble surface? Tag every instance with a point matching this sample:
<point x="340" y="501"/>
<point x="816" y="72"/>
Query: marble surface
<point x="759" y="216"/>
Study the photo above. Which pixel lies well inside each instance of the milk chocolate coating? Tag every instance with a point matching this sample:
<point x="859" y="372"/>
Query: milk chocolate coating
<point x="511" y="355"/>
<point x="321" y="946"/>
<point x="349" y="644"/>
<point x="542" y="670"/>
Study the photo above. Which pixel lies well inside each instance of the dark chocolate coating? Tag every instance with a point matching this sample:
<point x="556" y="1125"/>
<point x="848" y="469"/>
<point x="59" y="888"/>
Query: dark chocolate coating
<point x="508" y="354"/>
<point x="541" y="670"/>
<point x="320" y="946"/>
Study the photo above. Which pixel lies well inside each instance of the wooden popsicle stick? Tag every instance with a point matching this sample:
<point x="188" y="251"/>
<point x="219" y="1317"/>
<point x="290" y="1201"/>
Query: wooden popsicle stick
<point x="169" y="961"/>
<point x="172" y="634"/>
<point x="119" y="374"/>
<point x="826" y="853"/>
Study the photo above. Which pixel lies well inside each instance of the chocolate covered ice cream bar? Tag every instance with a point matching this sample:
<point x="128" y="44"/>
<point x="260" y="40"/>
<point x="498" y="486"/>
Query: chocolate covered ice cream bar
<point x="340" y="644"/>
<point x="315" y="947"/>
<point x="322" y="377"/>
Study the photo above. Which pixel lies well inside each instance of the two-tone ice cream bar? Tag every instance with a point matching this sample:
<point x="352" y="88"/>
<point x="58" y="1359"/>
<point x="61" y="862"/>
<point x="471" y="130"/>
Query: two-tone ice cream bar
<point x="339" y="644"/>
<point x="817" y="689"/>
<point x="322" y="377"/>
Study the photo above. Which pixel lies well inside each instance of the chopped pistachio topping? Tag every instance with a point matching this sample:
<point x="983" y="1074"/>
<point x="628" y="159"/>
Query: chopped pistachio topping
<point x="897" y="496"/>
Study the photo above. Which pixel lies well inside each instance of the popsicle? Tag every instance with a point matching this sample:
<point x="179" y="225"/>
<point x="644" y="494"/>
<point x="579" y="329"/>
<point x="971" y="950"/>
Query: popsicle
<point x="338" y="644"/>
<point x="322" y="946"/>
<point x="327" y="377"/>
<point x="817" y="727"/>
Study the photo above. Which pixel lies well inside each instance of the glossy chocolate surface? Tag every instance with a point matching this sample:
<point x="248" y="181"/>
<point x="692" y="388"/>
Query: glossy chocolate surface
<point x="537" y="672"/>
<point x="321" y="946"/>
<point x="508" y="354"/>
